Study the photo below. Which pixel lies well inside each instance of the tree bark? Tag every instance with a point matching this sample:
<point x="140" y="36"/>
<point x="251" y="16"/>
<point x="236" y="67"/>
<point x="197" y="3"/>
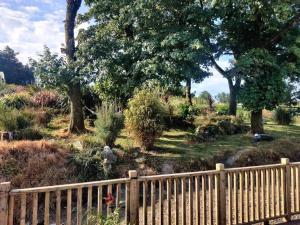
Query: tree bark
<point x="188" y="94"/>
<point x="232" y="98"/>
<point x="74" y="90"/>
<point x="257" y="126"/>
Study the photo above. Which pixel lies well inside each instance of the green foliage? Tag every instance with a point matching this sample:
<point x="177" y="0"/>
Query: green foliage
<point x="45" y="98"/>
<point x="111" y="219"/>
<point x="283" y="116"/>
<point x="31" y="134"/>
<point x="223" y="97"/>
<point x="16" y="100"/>
<point x="8" y="120"/>
<point x="88" y="164"/>
<point x="222" y="108"/>
<point x="144" y="118"/>
<point x="15" y="72"/>
<point x="108" y="125"/>
<point x="264" y="86"/>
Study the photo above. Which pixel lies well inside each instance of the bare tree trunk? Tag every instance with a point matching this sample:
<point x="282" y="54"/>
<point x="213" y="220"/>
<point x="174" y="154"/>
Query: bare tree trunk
<point x="257" y="126"/>
<point x="74" y="92"/>
<point x="188" y="94"/>
<point x="233" y="89"/>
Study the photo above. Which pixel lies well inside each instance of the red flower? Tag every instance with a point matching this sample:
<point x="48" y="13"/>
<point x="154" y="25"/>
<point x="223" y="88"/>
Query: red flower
<point x="109" y="199"/>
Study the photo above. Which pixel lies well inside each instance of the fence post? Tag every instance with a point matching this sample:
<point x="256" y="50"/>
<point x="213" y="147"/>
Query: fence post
<point x="134" y="197"/>
<point x="4" y="191"/>
<point x="287" y="193"/>
<point x="221" y="195"/>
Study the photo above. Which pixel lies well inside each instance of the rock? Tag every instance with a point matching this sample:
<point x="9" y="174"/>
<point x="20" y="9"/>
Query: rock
<point x="108" y="154"/>
<point x="78" y="145"/>
<point x="7" y="136"/>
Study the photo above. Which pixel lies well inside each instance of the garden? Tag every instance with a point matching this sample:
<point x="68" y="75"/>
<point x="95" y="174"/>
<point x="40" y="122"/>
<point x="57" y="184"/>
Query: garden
<point x="121" y="94"/>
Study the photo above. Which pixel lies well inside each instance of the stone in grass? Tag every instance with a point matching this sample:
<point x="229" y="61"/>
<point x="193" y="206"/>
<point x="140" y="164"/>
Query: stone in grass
<point x="109" y="155"/>
<point x="263" y="137"/>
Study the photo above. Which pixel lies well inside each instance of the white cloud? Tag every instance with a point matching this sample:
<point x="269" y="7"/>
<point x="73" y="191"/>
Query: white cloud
<point x="31" y="9"/>
<point x="27" y="35"/>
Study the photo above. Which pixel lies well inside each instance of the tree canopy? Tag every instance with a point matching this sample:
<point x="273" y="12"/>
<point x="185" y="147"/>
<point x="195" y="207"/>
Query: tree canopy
<point x="14" y="71"/>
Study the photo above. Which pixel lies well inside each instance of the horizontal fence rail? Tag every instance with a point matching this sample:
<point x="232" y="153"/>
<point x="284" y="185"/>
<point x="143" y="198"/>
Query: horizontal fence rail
<point x="222" y="196"/>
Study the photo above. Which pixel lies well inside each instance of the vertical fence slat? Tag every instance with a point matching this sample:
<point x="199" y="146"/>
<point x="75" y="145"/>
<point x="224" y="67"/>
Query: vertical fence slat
<point x="229" y="199"/>
<point x="46" y="210"/>
<point x="69" y="207"/>
<point x="287" y="179"/>
<point x="190" y="201"/>
<point x="169" y="183"/>
<point x="263" y="199"/>
<point x="257" y="181"/>
<point x="176" y="202"/>
<point x="99" y="200"/>
<point x="252" y="217"/>
<point x="23" y="209"/>
<point x="161" y="203"/>
<point x="58" y="208"/>
<point x="183" y="201"/>
<point x="118" y="195"/>
<point x="4" y="200"/>
<point x="127" y="203"/>
<point x="34" y="208"/>
<point x="246" y="197"/>
<point x="210" y="199"/>
<point x="292" y="189"/>
<point x="297" y="189"/>
<point x="197" y="198"/>
<point x="11" y="207"/>
<point x="204" y="217"/>
<point x="89" y="201"/>
<point x="145" y="213"/>
<point x="273" y="192"/>
<point x="282" y="194"/>
<point x="277" y="193"/>
<point x="152" y="202"/>
<point x="268" y="211"/>
<point x="241" y="194"/>
<point x="79" y="206"/>
<point x="134" y="197"/>
<point x="235" y="198"/>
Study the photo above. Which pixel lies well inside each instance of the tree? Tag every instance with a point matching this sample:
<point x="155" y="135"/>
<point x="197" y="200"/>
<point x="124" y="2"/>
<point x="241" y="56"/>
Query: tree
<point x="74" y="91"/>
<point x="65" y="74"/>
<point x="222" y="97"/>
<point x="244" y="25"/>
<point x="14" y="71"/>
<point x="134" y="41"/>
<point x="207" y="98"/>
<point x="264" y="86"/>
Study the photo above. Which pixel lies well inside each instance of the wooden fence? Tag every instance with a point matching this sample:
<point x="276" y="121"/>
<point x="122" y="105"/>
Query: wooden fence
<point x="222" y="196"/>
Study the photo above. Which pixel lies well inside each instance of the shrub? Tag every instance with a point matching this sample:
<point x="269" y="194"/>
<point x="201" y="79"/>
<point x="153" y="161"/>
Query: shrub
<point x="12" y="120"/>
<point x="88" y="164"/>
<point x="111" y="219"/>
<point x="222" y="109"/>
<point x="8" y="120"/>
<point x="16" y="100"/>
<point x="45" y="98"/>
<point x="32" y="134"/>
<point x="108" y="125"/>
<point x="283" y="116"/>
<point x="144" y="118"/>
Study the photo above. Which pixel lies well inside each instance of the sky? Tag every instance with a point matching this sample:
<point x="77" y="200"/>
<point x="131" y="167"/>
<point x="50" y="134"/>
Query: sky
<point x="27" y="25"/>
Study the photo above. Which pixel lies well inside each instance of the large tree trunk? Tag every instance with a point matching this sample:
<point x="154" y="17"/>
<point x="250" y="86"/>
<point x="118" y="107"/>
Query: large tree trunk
<point x="188" y="94"/>
<point x="233" y="96"/>
<point x="76" y="116"/>
<point x="74" y="92"/>
<point x="257" y="126"/>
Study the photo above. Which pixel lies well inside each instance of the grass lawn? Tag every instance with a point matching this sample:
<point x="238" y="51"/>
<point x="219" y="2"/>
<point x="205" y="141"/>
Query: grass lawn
<point x="174" y="143"/>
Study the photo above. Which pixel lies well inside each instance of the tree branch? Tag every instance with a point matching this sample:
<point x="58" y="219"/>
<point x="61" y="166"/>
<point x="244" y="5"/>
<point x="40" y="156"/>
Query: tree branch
<point x="291" y="24"/>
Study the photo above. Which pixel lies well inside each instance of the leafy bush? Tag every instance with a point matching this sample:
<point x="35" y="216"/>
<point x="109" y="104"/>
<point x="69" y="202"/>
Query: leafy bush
<point x="111" y="219"/>
<point x="31" y="134"/>
<point x="45" y="98"/>
<point x="208" y="127"/>
<point x="8" y="120"/>
<point x="283" y="116"/>
<point x="144" y="118"/>
<point x="189" y="112"/>
<point x="108" y="125"/>
<point x="88" y="164"/>
<point x="12" y="120"/>
<point x="16" y="100"/>
<point x="222" y="109"/>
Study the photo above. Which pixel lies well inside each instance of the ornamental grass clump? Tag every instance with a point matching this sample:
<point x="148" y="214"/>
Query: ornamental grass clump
<point x="144" y="118"/>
